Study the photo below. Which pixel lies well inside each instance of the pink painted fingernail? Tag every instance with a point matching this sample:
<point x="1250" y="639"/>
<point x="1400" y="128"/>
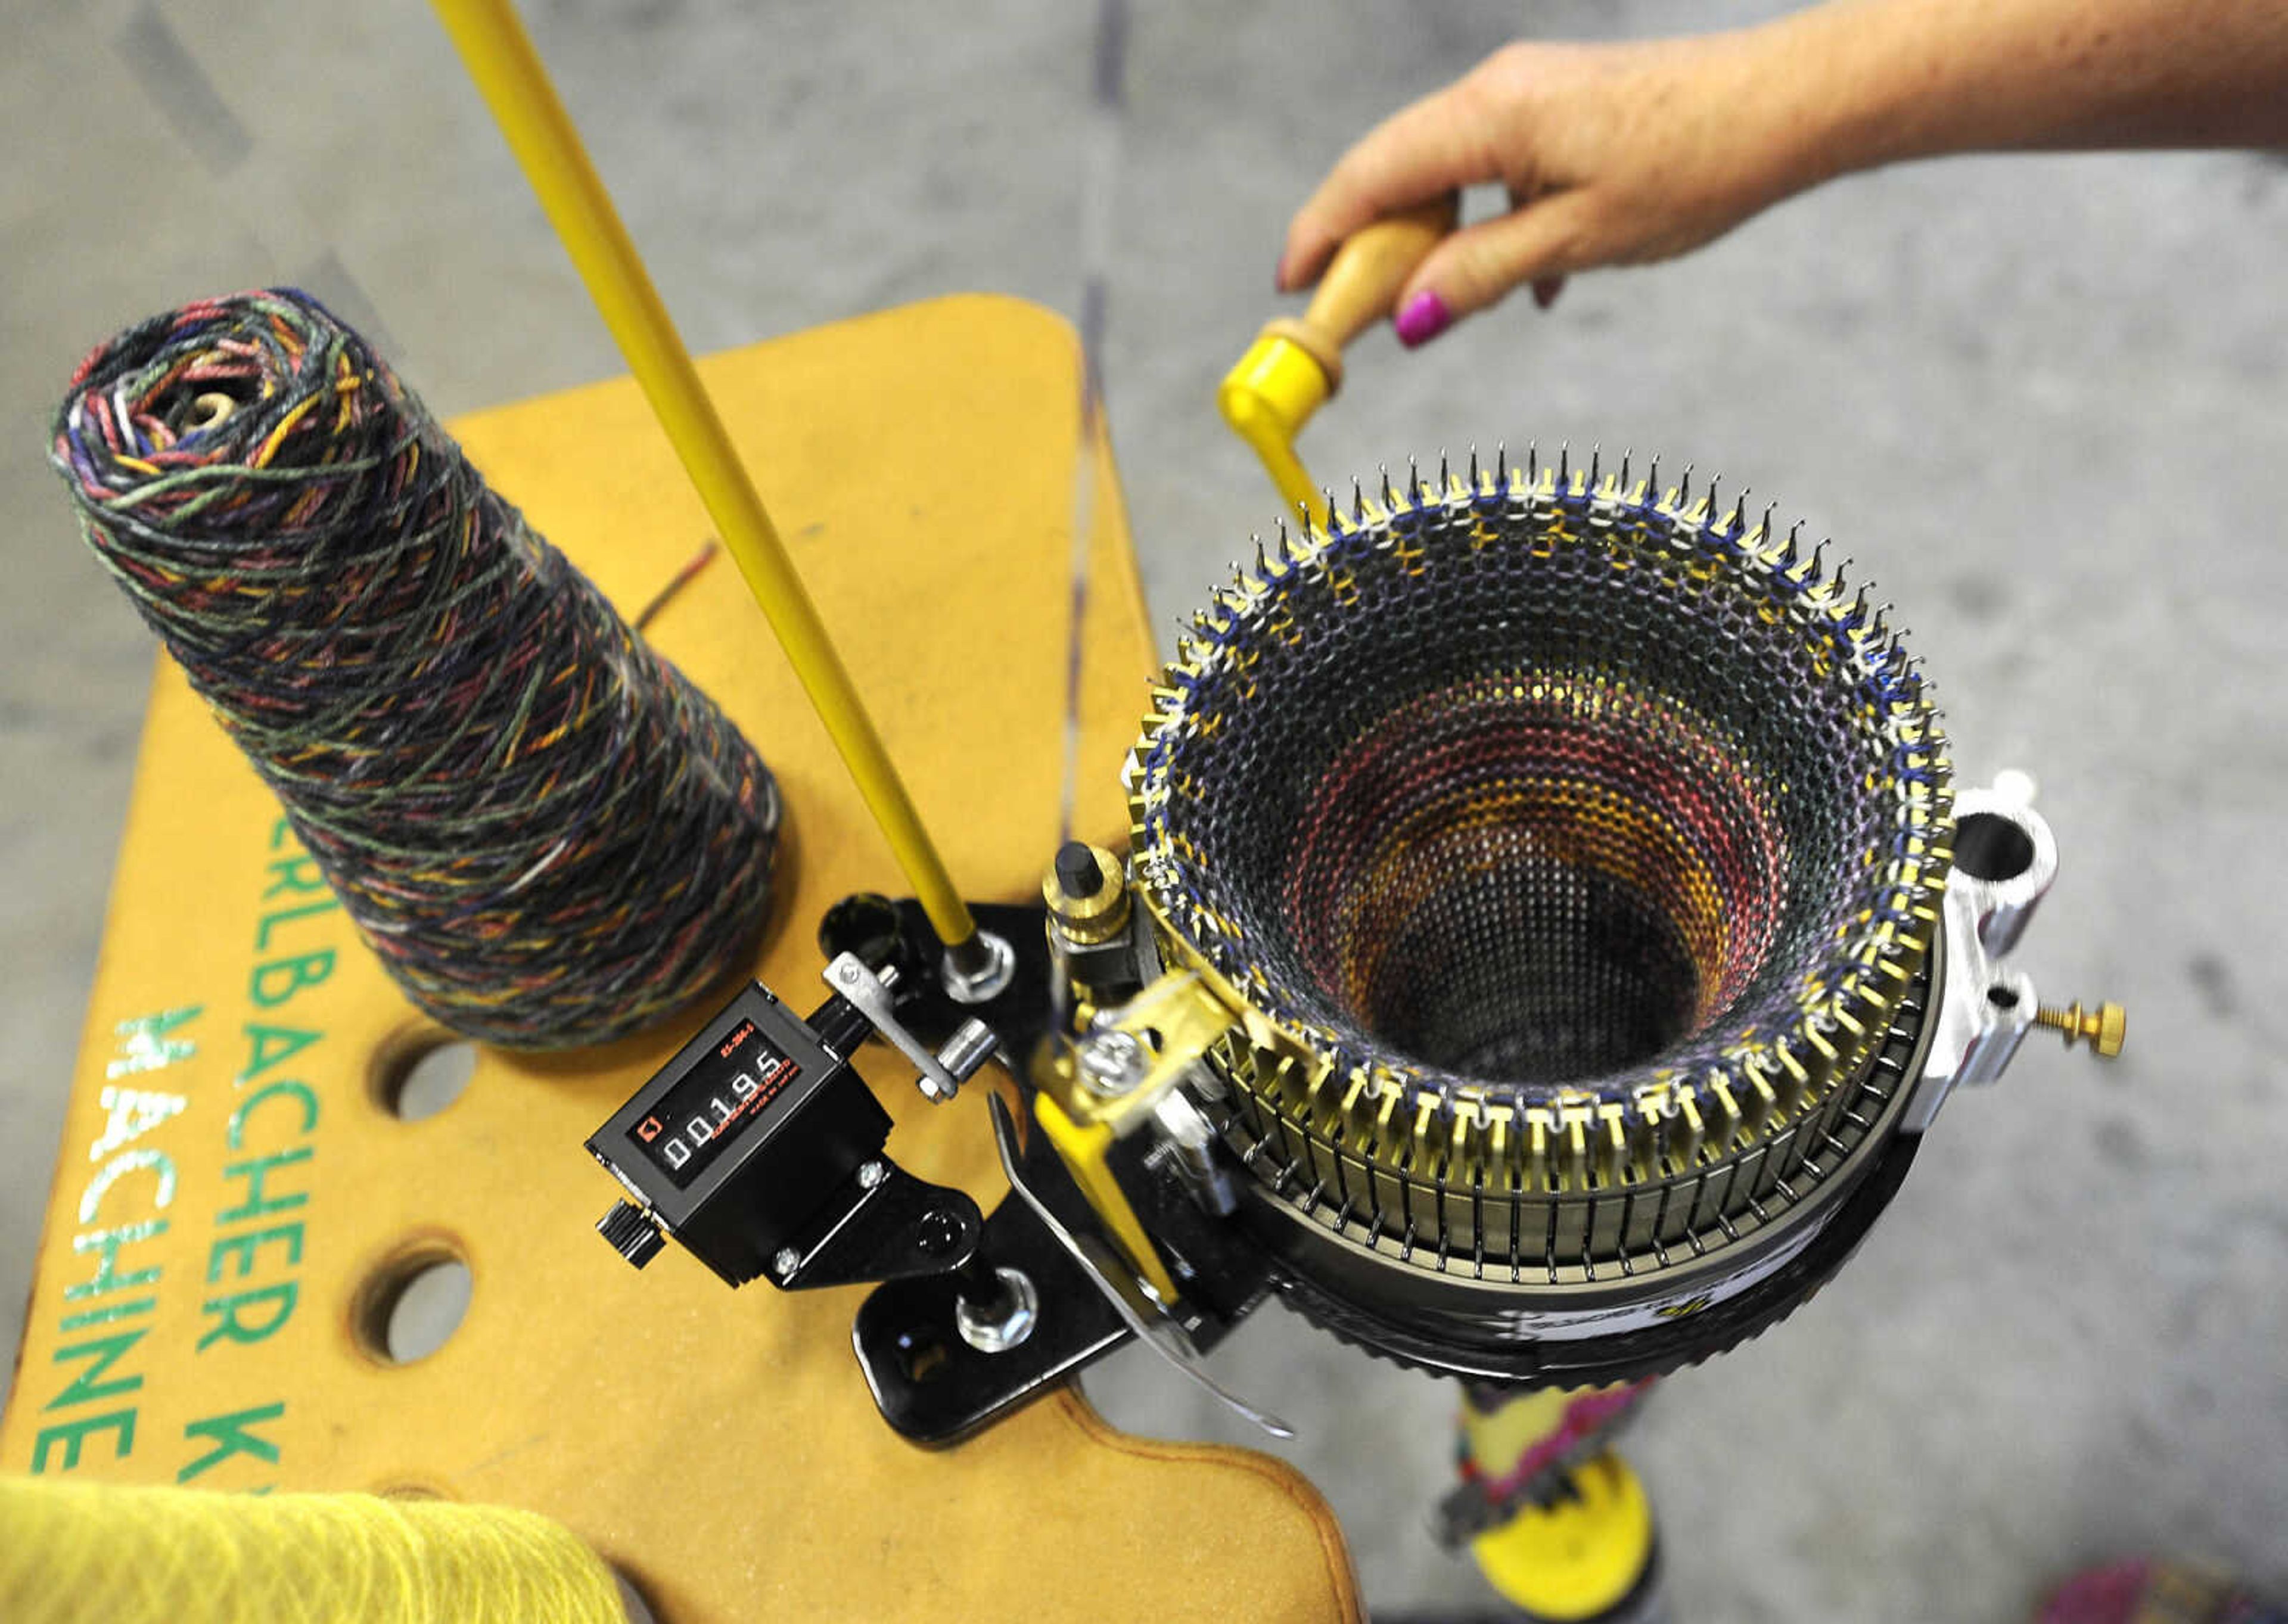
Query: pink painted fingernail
<point x="1425" y="317"/>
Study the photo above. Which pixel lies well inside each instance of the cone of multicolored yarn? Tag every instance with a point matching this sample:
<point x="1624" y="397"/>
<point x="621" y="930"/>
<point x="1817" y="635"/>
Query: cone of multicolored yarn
<point x="547" y="834"/>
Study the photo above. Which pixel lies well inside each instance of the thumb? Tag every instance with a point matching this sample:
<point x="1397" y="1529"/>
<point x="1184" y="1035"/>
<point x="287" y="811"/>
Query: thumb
<point x="1474" y="268"/>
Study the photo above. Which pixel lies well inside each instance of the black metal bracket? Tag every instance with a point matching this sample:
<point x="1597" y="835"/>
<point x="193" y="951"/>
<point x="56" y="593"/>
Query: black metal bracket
<point x="899" y="1227"/>
<point x="884" y="1225"/>
<point x="975" y="1315"/>
<point x="930" y="1383"/>
<point x="936" y="1387"/>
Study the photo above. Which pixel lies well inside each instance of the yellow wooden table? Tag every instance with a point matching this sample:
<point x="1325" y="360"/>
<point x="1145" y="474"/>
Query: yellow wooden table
<point x="236" y="1201"/>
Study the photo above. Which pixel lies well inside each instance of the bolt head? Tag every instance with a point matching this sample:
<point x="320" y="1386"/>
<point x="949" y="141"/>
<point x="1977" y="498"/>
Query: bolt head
<point x="2112" y="1027"/>
<point x="1112" y="1062"/>
<point x="870" y="1174"/>
<point x="786" y="1263"/>
<point x="939" y="1231"/>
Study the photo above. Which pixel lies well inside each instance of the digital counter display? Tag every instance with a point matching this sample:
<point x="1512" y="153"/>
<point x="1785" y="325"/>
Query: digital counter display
<point x="688" y="1127"/>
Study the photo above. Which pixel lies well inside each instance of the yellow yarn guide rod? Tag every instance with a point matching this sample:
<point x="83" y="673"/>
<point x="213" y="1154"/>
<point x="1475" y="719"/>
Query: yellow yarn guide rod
<point x="509" y="75"/>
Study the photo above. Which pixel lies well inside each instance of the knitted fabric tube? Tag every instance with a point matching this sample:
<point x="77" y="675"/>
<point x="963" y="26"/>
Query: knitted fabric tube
<point x="547" y="834"/>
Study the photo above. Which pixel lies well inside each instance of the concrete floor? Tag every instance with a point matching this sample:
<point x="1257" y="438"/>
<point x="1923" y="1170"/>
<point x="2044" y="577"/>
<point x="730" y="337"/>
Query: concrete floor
<point x="2040" y="400"/>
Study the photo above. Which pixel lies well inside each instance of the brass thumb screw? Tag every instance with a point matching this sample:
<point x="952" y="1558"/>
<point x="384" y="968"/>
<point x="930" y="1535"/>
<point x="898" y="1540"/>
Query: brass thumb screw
<point x="2102" y="1028"/>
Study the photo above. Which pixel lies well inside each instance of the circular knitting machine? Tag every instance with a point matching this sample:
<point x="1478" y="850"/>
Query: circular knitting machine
<point x="1547" y="932"/>
<point x="1575" y="852"/>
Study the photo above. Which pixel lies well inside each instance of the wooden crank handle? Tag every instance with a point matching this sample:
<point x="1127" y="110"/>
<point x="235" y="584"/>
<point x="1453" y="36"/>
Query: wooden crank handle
<point x="1360" y="286"/>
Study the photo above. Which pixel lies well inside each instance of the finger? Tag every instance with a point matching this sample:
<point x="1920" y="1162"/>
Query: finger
<point x="1476" y="267"/>
<point x="1423" y="151"/>
<point x="1546" y="289"/>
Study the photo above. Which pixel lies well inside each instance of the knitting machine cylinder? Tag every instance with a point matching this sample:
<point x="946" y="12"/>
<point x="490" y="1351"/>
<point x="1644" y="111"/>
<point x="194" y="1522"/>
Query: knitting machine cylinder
<point x="1572" y="850"/>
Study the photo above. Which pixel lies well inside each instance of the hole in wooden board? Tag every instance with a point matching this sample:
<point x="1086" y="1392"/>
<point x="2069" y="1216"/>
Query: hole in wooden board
<point x="415" y="1081"/>
<point x="638" y="1608"/>
<point x="411" y="1489"/>
<point x="411" y="1306"/>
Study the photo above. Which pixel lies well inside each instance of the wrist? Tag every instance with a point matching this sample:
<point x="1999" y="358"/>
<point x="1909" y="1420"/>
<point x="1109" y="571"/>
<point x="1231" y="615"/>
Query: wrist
<point x="1792" y="121"/>
<point x="1855" y="85"/>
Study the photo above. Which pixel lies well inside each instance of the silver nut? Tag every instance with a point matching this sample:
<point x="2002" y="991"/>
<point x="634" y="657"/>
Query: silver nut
<point x="869" y="1173"/>
<point x="997" y="1328"/>
<point x="986" y="982"/>
<point x="786" y="1263"/>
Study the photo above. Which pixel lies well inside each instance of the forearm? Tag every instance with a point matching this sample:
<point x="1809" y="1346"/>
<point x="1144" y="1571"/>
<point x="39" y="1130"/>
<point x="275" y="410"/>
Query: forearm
<point x="1626" y="152"/>
<point x="1865" y="83"/>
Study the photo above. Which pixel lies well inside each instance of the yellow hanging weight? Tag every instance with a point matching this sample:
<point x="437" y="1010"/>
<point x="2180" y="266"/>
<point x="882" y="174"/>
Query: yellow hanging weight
<point x="1579" y="1559"/>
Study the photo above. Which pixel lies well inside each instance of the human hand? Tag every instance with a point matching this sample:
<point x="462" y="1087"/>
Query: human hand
<point x="1612" y="155"/>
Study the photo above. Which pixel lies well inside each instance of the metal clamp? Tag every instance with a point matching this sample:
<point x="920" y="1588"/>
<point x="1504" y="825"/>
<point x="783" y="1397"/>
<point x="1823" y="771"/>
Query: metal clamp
<point x="1985" y="1006"/>
<point x="2005" y="860"/>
